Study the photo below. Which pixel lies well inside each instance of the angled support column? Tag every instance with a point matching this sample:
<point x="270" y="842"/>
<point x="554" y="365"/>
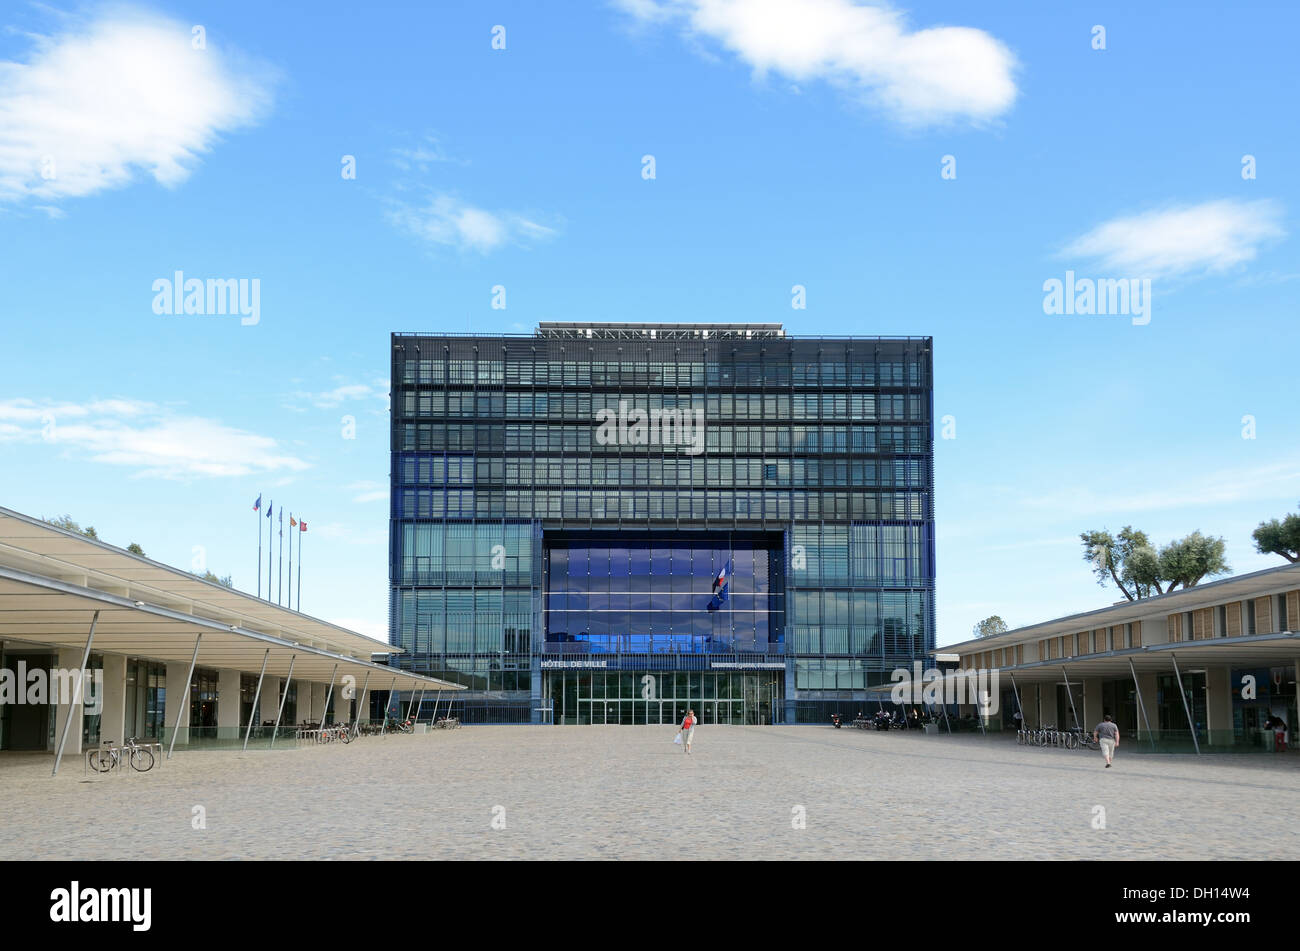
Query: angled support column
<point x="288" y="681"/>
<point x="329" y="694"/>
<point x="356" y="721"/>
<point x="1186" y="709"/>
<point x="1024" y="725"/>
<point x="252" y="714"/>
<point x="183" y="705"/>
<point x="413" y="703"/>
<point x="386" y="703"/>
<point x="78" y="691"/>
<point x="1142" y="707"/>
<point x="943" y="695"/>
<point x="1070" y="693"/>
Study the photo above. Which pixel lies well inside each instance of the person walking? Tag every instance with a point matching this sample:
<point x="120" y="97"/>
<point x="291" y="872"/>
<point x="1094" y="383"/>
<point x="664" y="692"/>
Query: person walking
<point x="688" y="728"/>
<point x="1107" y="736"/>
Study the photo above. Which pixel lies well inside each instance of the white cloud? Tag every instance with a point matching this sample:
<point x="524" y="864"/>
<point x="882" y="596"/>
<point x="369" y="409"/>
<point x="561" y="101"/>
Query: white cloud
<point x="427" y="152"/>
<point x="1192" y="490"/>
<point x="145" y="437"/>
<point x="446" y="220"/>
<point x="919" y="76"/>
<point x="370" y="491"/>
<point x="1211" y="237"/>
<point x="346" y="392"/>
<point x="95" y="105"/>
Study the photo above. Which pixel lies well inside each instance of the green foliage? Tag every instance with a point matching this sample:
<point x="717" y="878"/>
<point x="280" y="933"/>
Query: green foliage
<point x="209" y="576"/>
<point x="990" y="627"/>
<point x="1133" y="565"/>
<point x="135" y="549"/>
<point x="1279" y="537"/>
<point x="66" y="523"/>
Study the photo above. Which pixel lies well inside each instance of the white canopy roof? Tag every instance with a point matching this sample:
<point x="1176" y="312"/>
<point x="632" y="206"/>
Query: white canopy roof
<point x="53" y="581"/>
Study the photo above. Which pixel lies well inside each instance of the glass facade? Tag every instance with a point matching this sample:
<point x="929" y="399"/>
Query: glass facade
<point x="696" y="496"/>
<point x="662" y="595"/>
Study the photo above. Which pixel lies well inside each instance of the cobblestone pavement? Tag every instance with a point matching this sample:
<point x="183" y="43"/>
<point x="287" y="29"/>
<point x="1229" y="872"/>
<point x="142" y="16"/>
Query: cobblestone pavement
<point x="629" y="793"/>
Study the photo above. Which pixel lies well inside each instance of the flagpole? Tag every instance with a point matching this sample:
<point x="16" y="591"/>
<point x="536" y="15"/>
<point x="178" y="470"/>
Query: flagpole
<point x="291" y="561"/>
<point x="270" y="544"/>
<point x="300" y="534"/>
<point x="257" y="513"/>
<point x="279" y="581"/>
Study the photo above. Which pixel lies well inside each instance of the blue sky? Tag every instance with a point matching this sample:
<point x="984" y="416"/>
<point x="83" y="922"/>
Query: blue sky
<point x="793" y="144"/>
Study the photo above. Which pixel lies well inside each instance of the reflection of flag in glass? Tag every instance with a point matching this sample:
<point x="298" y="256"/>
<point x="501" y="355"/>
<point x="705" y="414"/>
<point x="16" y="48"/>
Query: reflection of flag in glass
<point x="720" y="585"/>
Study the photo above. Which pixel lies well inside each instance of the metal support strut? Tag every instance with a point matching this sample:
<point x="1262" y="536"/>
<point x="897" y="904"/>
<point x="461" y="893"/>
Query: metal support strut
<point x="288" y="680"/>
<point x="183" y="704"/>
<point x="256" y="713"/>
<point x="1142" y="707"/>
<point x="1186" y="709"/>
<point x="78" y="692"/>
<point x="1070" y="693"/>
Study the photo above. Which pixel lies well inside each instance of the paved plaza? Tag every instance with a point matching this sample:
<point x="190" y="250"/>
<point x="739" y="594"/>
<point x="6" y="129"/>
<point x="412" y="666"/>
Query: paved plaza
<point x="627" y="792"/>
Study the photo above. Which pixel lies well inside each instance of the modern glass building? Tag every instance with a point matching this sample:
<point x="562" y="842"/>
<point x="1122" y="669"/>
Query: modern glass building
<point x="610" y="523"/>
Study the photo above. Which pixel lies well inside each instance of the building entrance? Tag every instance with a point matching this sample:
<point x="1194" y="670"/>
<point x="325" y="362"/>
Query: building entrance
<point x="662" y="698"/>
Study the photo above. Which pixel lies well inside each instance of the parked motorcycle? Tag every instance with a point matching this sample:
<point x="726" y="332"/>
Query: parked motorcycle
<point x="835" y="721"/>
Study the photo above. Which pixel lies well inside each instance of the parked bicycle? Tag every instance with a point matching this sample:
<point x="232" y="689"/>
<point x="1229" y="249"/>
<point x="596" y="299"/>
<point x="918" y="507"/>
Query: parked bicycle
<point x="335" y="733"/>
<point x="108" y="757"/>
<point x="1049" y="735"/>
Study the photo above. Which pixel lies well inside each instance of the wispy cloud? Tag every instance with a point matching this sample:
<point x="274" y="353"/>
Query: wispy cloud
<point x="448" y="221"/>
<point x="150" y="439"/>
<point x="420" y="157"/>
<point x="1195" y="490"/>
<point x="918" y="76"/>
<point x="370" y="491"/>
<point x="1212" y="237"/>
<point x="108" y="98"/>
<point x="344" y="393"/>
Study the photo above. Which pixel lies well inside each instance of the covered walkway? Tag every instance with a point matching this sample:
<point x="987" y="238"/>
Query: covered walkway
<point x="168" y="656"/>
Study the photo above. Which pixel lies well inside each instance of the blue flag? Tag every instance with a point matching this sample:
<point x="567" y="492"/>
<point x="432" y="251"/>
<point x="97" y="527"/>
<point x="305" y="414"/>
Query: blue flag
<point x="720" y="584"/>
<point x="269" y="506"/>
<point x="258" y="504"/>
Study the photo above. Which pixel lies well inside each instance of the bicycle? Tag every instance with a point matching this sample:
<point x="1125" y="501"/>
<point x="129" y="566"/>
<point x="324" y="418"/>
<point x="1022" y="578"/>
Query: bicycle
<point x="108" y="757"/>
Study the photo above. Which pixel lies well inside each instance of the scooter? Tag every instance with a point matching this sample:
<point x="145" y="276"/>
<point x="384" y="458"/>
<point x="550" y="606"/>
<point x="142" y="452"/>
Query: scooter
<point x="835" y="721"/>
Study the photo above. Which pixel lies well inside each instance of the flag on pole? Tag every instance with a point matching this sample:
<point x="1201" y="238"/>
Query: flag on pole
<point x="302" y="527"/>
<point x="257" y="506"/>
<point x="720" y="584"/>
<point x="270" y="548"/>
<point x="292" y="522"/>
<point x="279" y="578"/>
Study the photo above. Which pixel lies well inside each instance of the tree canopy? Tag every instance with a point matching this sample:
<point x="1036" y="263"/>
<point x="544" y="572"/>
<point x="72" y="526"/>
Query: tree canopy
<point x="990" y="626"/>
<point x="1279" y="537"/>
<point x="66" y="523"/>
<point x="1130" y="562"/>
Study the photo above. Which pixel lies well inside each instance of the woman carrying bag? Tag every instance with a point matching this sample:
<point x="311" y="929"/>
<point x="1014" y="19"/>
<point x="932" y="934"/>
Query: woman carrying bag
<point x="688" y="729"/>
